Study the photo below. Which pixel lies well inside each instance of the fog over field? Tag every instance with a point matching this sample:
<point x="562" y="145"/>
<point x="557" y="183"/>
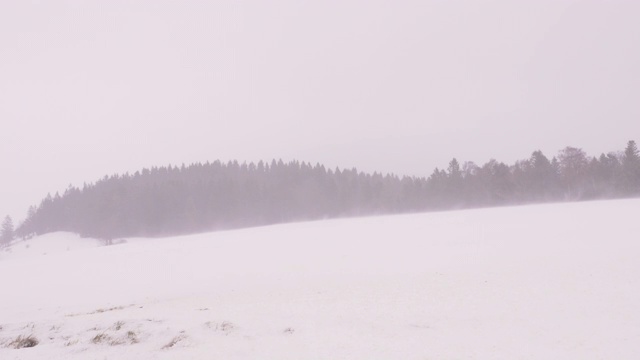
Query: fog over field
<point x="93" y="88"/>
<point x="354" y="179"/>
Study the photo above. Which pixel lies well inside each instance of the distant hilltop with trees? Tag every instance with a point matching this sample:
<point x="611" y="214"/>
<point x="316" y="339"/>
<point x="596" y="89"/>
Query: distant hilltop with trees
<point x="172" y="200"/>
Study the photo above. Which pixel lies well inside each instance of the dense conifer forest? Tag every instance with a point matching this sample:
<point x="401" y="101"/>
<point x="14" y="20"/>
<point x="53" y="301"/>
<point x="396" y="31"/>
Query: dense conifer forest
<point x="200" y="197"/>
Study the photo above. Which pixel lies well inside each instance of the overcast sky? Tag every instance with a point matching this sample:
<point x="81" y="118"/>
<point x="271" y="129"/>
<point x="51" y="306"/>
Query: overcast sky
<point x="89" y="88"/>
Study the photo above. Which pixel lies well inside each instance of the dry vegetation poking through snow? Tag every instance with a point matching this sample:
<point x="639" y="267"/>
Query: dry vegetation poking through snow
<point x="96" y="332"/>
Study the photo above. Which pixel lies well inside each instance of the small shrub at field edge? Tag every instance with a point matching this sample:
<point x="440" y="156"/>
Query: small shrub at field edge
<point x="23" y="342"/>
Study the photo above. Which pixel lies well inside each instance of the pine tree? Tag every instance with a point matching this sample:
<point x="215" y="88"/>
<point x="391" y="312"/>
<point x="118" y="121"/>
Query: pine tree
<point x="631" y="169"/>
<point x="542" y="178"/>
<point x="631" y="152"/>
<point x="573" y="167"/>
<point x="6" y="233"/>
<point x="454" y="169"/>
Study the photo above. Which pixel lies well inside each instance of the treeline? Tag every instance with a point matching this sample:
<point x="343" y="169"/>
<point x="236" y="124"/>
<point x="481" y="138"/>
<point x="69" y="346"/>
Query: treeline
<point x="173" y="200"/>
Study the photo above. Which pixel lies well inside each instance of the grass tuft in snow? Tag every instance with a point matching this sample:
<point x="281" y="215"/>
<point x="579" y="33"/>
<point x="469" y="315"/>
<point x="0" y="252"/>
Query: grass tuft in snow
<point x="174" y="341"/>
<point x="225" y="326"/>
<point x="101" y="338"/>
<point x="71" y="342"/>
<point x="132" y="337"/>
<point x="23" y="342"/>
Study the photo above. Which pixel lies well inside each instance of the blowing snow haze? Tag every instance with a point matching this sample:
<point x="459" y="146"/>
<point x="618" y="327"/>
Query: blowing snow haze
<point x="131" y="132"/>
<point x="95" y="88"/>
<point x="215" y="196"/>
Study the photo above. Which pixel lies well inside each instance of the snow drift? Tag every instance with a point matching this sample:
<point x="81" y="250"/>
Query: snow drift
<point x="534" y="282"/>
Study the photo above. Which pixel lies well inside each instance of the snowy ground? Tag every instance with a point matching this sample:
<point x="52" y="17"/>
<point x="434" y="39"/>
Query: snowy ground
<point x="536" y="282"/>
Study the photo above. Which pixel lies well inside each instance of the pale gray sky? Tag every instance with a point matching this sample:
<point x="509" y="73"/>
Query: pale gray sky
<point x="89" y="88"/>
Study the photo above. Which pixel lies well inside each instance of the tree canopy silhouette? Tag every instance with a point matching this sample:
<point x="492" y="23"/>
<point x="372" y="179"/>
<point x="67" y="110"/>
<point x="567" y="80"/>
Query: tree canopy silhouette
<point x="172" y="200"/>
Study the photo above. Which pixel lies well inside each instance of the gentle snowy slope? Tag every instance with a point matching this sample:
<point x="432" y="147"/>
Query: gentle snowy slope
<point x="47" y="244"/>
<point x="537" y="282"/>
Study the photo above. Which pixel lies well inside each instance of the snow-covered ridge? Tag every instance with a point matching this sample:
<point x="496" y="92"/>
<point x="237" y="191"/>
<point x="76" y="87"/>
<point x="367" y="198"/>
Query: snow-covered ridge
<point x="47" y="244"/>
<point x="530" y="282"/>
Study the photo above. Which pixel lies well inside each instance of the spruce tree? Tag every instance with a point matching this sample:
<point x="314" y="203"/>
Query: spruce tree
<point x="6" y="232"/>
<point x="631" y="169"/>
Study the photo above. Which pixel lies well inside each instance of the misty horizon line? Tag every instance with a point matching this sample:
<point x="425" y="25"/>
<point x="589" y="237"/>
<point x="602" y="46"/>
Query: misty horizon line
<point x="279" y="160"/>
<point x="201" y="197"/>
<point x="617" y="153"/>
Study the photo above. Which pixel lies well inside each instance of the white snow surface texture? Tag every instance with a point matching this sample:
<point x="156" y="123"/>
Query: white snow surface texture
<point x="559" y="281"/>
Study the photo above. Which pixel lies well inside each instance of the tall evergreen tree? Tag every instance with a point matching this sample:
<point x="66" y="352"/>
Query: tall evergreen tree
<point x="454" y="169"/>
<point x="542" y="178"/>
<point x="573" y="166"/>
<point x="454" y="182"/>
<point x="631" y="169"/>
<point x="6" y="232"/>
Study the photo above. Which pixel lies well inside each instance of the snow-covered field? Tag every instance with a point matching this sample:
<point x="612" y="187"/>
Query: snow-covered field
<point x="534" y="282"/>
